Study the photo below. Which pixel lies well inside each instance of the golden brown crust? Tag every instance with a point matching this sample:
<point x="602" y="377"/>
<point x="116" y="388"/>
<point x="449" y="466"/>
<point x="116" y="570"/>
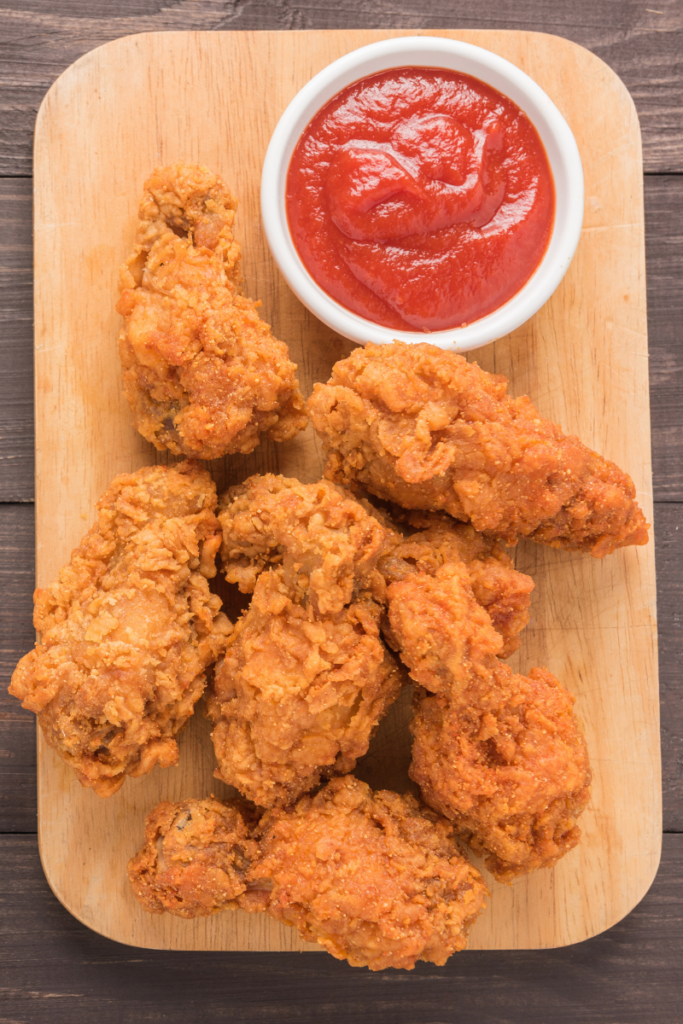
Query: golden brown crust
<point x="128" y="628"/>
<point x="510" y="769"/>
<point x="305" y="678"/>
<point x="202" y="372"/>
<point x="195" y="858"/>
<point x="500" y="754"/>
<point x="325" y="541"/>
<point x="298" y="695"/>
<point x="373" y="878"/>
<point x="498" y="587"/>
<point x="428" y="430"/>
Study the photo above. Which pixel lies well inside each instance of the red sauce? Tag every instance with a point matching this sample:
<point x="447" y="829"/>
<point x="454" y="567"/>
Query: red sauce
<point x="420" y="199"/>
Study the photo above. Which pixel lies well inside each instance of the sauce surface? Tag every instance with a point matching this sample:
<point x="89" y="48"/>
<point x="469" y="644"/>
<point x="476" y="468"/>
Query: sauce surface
<point x="420" y="198"/>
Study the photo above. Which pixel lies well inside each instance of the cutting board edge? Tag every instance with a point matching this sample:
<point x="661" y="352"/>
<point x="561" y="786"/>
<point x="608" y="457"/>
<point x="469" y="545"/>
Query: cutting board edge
<point x="332" y="32"/>
<point x="125" y="939"/>
<point x="126" y="40"/>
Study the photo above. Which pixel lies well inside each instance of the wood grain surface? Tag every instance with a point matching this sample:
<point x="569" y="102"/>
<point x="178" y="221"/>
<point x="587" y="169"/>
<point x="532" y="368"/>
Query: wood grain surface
<point x="64" y="974"/>
<point x="216" y="98"/>
<point x="53" y="970"/>
<point x="641" y="41"/>
<point x="664" y="248"/>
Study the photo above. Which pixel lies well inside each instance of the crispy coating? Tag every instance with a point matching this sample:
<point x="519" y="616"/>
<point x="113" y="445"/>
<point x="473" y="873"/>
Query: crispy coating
<point x="497" y="586"/>
<point x="511" y="770"/>
<point x="305" y="678"/>
<point x="195" y="859"/>
<point x="500" y="754"/>
<point x="428" y="430"/>
<point x="202" y="372"/>
<point x="298" y="694"/>
<point x="324" y="539"/>
<point x="128" y="628"/>
<point x="373" y="878"/>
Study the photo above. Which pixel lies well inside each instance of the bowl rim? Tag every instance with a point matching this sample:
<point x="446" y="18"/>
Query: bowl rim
<point x="466" y="58"/>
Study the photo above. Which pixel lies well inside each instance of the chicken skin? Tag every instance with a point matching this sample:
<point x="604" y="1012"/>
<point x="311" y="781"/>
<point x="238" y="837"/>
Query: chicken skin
<point x="305" y="678"/>
<point x="497" y="586"/>
<point x="374" y="878"/>
<point x="511" y="770"/>
<point x="202" y="372"/>
<point x="128" y="629"/>
<point x="195" y="859"/>
<point x="500" y="754"/>
<point x="427" y="430"/>
<point x="298" y="695"/>
<point x="325" y="541"/>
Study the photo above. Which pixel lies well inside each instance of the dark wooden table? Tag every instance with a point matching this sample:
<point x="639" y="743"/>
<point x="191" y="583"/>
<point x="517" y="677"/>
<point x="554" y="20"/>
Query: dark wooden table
<point x="54" y="970"/>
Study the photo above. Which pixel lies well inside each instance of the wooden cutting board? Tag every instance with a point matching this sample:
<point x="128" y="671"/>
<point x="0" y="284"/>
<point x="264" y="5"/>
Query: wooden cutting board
<point x="215" y="98"/>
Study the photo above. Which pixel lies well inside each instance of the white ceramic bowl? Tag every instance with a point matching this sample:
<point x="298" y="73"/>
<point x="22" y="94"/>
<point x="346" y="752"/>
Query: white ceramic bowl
<point x="432" y="52"/>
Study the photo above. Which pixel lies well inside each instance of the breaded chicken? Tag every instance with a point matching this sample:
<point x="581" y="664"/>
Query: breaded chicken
<point x="202" y="372"/>
<point x="437" y="540"/>
<point x="374" y="878"/>
<point x="298" y="695"/>
<point x="195" y="859"/>
<point x="305" y="678"/>
<point x="129" y="628"/>
<point x="428" y="430"/>
<point x="325" y="541"/>
<point x="500" y="754"/>
<point x="509" y="767"/>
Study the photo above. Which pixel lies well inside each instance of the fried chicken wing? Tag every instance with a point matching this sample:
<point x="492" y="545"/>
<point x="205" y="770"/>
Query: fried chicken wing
<point x="500" y="754"/>
<point x="497" y="586"/>
<point x="428" y="430"/>
<point x="202" y="372"/>
<point x="195" y="859"/>
<point x="305" y="678"/>
<point x="374" y="878"/>
<point x="129" y="628"/>
<point x="298" y="694"/>
<point x="324" y="539"/>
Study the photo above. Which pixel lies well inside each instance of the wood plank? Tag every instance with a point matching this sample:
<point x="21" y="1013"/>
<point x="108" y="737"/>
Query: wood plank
<point x="644" y="46"/>
<point x="664" y="245"/>
<point x="583" y="359"/>
<point x="669" y="533"/>
<point x="17" y="731"/>
<point x="55" y="971"/>
<point x="17" y="575"/>
<point x="16" y="250"/>
<point x="17" y="727"/>
<point x="16" y="341"/>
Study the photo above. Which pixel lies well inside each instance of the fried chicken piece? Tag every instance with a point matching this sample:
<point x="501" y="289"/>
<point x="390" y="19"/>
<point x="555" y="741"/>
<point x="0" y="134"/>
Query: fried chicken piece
<point x="511" y="771"/>
<point x="202" y="372"/>
<point x="326" y="542"/>
<point x="128" y="628"/>
<point x="500" y="754"/>
<point x="195" y="859"/>
<point x="374" y="878"/>
<point x="498" y="587"/>
<point x="298" y="694"/>
<point x="305" y="678"/>
<point x="428" y="430"/>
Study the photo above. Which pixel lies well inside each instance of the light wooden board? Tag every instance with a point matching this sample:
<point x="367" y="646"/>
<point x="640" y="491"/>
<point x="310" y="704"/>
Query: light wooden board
<point x="215" y="98"/>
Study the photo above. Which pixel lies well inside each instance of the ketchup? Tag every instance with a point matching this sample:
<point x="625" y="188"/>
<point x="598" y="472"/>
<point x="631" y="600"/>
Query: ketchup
<point x="420" y="198"/>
